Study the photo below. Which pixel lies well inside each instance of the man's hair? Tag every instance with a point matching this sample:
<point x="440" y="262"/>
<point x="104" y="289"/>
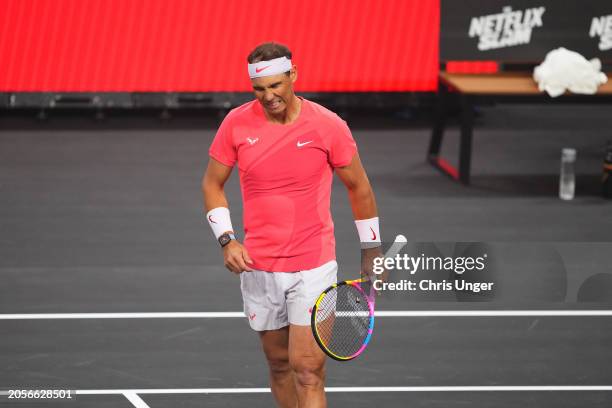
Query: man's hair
<point x="268" y="51"/>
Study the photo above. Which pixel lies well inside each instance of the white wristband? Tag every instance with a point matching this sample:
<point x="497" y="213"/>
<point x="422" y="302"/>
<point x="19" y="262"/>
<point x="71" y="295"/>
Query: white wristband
<point x="219" y="220"/>
<point x="369" y="232"/>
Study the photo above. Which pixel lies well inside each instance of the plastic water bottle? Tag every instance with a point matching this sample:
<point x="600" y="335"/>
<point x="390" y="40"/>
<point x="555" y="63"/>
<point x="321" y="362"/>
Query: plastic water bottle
<point x="567" y="181"/>
<point x="606" y="181"/>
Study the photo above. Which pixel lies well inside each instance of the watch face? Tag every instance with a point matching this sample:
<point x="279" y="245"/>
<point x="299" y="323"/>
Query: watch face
<point x="224" y="239"/>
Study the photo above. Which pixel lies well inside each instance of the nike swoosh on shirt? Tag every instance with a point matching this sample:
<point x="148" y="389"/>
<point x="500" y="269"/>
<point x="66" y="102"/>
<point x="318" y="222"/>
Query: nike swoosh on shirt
<point x="258" y="70"/>
<point x="303" y="144"/>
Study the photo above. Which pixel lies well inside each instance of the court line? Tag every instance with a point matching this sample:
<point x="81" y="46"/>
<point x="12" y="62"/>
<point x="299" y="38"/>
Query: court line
<point x="135" y="400"/>
<point x="484" y="388"/>
<point x="477" y="388"/>
<point x="381" y="313"/>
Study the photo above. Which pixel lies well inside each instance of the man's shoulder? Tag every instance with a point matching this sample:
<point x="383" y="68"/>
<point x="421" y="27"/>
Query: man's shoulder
<point x="323" y="113"/>
<point x="244" y="111"/>
<point x="327" y="119"/>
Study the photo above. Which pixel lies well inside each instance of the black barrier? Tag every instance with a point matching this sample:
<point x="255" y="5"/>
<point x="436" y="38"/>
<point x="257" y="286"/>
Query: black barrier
<point x="523" y="31"/>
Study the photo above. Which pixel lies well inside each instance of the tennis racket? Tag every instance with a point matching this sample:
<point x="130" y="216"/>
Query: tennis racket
<point x="342" y="318"/>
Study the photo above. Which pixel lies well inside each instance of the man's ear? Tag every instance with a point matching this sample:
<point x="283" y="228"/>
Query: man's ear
<point x="293" y="74"/>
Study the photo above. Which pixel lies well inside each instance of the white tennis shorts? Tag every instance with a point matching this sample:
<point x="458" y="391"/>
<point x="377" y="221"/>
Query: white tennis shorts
<point x="273" y="300"/>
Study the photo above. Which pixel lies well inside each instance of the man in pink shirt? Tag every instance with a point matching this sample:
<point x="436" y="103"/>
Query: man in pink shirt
<point x="286" y="149"/>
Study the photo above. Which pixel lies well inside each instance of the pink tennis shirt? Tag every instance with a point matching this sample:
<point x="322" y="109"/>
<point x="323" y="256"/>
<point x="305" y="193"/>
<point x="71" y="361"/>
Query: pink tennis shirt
<point x="286" y="174"/>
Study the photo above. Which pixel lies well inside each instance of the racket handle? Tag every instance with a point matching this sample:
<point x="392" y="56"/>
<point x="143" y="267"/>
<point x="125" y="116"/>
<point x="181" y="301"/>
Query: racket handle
<point x="398" y="244"/>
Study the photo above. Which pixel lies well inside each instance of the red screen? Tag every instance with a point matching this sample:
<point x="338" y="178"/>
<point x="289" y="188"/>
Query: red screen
<point x="196" y="45"/>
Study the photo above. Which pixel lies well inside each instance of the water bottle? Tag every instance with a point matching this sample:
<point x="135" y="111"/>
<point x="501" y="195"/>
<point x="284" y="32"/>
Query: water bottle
<point x="606" y="181"/>
<point x="567" y="181"/>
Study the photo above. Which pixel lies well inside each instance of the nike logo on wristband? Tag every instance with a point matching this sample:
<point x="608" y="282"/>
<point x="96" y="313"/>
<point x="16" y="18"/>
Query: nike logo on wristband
<point x="258" y="70"/>
<point x="211" y="220"/>
<point x="373" y="234"/>
<point x="252" y="317"/>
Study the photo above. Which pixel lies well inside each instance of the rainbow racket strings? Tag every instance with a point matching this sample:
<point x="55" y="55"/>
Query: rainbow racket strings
<point x="343" y="316"/>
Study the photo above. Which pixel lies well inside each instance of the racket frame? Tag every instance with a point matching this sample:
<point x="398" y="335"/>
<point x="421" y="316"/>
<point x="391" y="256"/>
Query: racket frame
<point x="313" y="319"/>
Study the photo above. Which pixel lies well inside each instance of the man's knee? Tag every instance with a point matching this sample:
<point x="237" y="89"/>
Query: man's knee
<point x="309" y="371"/>
<point x="279" y="367"/>
<point x="276" y="349"/>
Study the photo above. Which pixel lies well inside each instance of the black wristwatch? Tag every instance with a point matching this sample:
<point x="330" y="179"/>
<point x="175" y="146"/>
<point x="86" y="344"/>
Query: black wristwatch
<point x="225" y="239"/>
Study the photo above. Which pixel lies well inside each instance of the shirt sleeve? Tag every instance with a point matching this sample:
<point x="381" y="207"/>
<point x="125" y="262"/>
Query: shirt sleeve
<point x="343" y="146"/>
<point x="222" y="148"/>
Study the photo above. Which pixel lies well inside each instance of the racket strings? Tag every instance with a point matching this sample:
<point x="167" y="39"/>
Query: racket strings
<point x="343" y="320"/>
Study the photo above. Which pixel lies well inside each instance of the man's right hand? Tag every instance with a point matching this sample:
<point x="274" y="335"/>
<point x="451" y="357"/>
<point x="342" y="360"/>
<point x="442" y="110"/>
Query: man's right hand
<point x="236" y="257"/>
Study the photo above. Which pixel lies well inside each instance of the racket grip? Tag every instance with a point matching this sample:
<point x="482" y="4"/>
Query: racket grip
<point x="399" y="243"/>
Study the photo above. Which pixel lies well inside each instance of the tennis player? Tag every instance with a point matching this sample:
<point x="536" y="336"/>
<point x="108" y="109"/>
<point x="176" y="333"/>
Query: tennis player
<point x="286" y="149"/>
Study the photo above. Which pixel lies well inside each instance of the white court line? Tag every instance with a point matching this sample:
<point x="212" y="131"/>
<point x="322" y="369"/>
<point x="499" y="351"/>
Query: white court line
<point x="492" y="388"/>
<point x="381" y="313"/>
<point x="163" y="315"/>
<point x="135" y="400"/>
<point x="485" y="388"/>
<point x="492" y="313"/>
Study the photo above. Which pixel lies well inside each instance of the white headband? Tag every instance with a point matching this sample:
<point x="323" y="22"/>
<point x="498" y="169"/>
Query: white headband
<point x="266" y="68"/>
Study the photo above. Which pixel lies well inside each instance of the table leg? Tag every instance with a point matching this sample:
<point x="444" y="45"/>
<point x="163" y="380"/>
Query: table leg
<point x="465" y="146"/>
<point x="439" y="123"/>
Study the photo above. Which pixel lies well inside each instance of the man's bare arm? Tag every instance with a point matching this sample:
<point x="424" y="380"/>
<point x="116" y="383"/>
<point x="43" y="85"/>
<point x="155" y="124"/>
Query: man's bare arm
<point x="235" y="254"/>
<point x="213" y="184"/>
<point x="363" y="204"/>
<point x="359" y="190"/>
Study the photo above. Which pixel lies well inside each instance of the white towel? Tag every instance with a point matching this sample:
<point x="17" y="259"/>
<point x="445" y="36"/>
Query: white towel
<point x="563" y="69"/>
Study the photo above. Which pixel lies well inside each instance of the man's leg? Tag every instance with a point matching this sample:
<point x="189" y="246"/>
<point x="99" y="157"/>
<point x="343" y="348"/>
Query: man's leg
<point x="276" y="347"/>
<point x="308" y="364"/>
